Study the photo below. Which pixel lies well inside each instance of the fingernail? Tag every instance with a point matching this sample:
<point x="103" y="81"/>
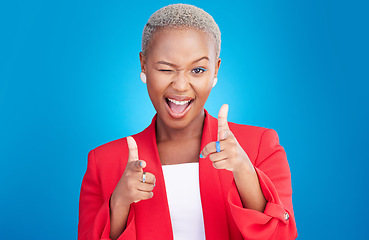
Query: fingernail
<point x="141" y="164"/>
<point x="154" y="184"/>
<point x="201" y="155"/>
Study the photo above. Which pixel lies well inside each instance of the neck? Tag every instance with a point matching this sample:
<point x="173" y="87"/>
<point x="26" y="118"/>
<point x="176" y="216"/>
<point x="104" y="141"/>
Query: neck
<point x="192" y="131"/>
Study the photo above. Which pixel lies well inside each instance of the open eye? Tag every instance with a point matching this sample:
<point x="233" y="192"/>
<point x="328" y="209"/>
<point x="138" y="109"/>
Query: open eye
<point x="198" y="70"/>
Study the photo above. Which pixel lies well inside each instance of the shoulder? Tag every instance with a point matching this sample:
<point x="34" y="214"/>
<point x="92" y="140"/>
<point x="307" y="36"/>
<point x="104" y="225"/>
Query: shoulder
<point x="247" y="129"/>
<point x="247" y="134"/>
<point x="111" y="148"/>
<point x="114" y="154"/>
<point x="117" y="150"/>
<point x="107" y="157"/>
<point x="239" y="129"/>
<point x="254" y="133"/>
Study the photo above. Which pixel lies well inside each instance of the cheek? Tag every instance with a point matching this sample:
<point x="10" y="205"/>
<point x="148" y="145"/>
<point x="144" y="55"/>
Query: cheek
<point x="153" y="88"/>
<point x="155" y="82"/>
<point x="202" y="88"/>
<point x="204" y="84"/>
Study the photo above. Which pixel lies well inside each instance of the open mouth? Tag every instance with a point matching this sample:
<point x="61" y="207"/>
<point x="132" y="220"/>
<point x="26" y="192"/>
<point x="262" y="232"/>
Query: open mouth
<point x="177" y="108"/>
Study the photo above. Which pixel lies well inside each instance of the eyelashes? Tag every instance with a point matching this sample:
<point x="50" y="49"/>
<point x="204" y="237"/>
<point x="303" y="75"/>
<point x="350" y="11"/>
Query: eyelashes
<point x="197" y="70"/>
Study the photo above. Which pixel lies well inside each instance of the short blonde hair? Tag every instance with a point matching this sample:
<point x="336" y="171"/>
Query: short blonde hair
<point x="181" y="15"/>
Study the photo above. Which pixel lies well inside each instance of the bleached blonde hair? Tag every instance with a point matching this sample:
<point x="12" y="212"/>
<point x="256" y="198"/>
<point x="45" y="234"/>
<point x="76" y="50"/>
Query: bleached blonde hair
<point x="181" y="15"/>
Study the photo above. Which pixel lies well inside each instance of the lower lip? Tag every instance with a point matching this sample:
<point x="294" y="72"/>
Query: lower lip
<point x="177" y="115"/>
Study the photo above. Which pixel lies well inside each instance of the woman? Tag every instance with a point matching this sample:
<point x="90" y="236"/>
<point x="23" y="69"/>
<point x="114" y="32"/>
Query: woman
<point x="188" y="175"/>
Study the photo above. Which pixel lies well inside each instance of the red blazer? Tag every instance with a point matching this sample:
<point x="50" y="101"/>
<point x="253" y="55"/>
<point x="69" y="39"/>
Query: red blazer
<point x="224" y="216"/>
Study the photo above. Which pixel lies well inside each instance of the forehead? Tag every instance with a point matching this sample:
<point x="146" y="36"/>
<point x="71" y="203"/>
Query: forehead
<point x="180" y="44"/>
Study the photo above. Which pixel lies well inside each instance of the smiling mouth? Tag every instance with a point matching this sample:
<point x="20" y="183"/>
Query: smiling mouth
<point x="178" y="108"/>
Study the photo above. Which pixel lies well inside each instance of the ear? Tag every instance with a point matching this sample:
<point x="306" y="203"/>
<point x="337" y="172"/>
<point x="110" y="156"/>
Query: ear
<point x="215" y="81"/>
<point x="217" y="65"/>
<point x="143" y="62"/>
<point x="143" y="77"/>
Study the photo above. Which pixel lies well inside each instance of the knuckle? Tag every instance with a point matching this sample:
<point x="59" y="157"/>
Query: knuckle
<point x="150" y="177"/>
<point x="147" y="195"/>
<point x="205" y="150"/>
<point x="215" y="164"/>
<point x="151" y="187"/>
<point x="223" y="145"/>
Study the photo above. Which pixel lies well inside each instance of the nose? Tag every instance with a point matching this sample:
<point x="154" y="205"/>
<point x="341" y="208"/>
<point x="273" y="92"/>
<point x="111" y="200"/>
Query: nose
<point x="181" y="82"/>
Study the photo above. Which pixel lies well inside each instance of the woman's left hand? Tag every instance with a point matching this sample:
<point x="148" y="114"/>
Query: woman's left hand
<point x="231" y="156"/>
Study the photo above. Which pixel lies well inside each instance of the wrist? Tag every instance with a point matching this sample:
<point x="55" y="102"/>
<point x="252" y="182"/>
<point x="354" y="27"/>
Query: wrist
<point x="118" y="204"/>
<point x="245" y="168"/>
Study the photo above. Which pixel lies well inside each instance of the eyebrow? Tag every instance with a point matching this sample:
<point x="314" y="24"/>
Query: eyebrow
<point x="166" y="63"/>
<point x="174" y="65"/>
<point x="198" y="60"/>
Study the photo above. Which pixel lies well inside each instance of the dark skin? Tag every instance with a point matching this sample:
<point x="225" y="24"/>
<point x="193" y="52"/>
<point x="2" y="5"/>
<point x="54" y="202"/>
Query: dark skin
<point x="170" y="65"/>
<point x="177" y="146"/>
<point x="171" y="152"/>
<point x="181" y="64"/>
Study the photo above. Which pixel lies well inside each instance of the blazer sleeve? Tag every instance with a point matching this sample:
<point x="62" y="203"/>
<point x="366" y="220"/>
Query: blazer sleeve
<point x="277" y="221"/>
<point x="94" y="209"/>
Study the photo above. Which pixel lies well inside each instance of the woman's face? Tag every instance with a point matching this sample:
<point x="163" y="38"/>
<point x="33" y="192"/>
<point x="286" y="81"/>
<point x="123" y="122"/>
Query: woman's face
<point x="180" y="65"/>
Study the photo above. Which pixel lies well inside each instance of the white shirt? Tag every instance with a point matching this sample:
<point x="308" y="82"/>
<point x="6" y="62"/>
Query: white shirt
<point x="183" y="193"/>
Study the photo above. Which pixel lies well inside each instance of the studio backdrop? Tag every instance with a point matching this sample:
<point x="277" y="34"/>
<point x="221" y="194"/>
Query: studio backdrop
<point x="69" y="82"/>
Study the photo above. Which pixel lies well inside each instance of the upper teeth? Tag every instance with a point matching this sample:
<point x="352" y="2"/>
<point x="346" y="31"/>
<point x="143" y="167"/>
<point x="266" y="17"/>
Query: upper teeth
<point x="179" y="102"/>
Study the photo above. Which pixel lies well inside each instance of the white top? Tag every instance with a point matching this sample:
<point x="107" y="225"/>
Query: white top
<point x="183" y="193"/>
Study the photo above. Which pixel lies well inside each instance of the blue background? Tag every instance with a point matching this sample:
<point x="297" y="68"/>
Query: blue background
<point x="69" y="82"/>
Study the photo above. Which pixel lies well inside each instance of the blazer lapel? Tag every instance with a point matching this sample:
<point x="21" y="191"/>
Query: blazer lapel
<point x="152" y="216"/>
<point x="213" y="204"/>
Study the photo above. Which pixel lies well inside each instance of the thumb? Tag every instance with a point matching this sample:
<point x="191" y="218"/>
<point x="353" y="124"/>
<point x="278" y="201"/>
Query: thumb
<point x="137" y="165"/>
<point x="223" y="122"/>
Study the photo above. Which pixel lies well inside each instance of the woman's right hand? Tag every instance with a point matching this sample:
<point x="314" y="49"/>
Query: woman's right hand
<point x="131" y="187"/>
